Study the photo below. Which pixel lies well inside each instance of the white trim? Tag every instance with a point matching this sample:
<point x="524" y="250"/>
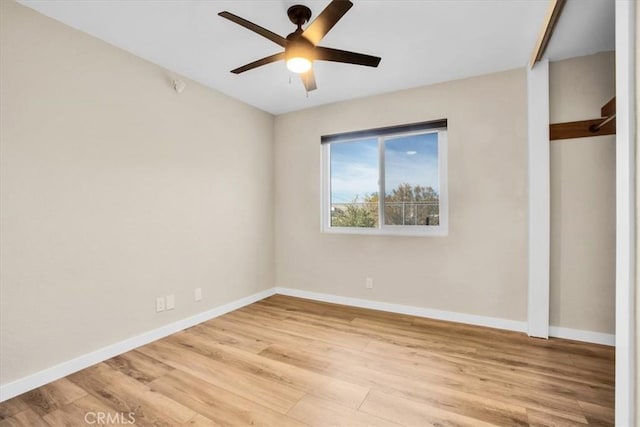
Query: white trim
<point x="451" y="316"/>
<point x="325" y="188"/>
<point x="443" y="183"/>
<point x="580" y="335"/>
<point x="539" y="199"/>
<point x="625" y="214"/>
<point x="15" y="388"/>
<point x="387" y="230"/>
<point x="421" y="231"/>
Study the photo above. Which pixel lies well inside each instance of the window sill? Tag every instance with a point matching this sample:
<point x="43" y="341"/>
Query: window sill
<point x="389" y="231"/>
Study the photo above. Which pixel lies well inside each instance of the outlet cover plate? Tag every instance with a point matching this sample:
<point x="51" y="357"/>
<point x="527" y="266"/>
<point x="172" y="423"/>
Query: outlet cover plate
<point x="171" y="302"/>
<point x="160" y="306"/>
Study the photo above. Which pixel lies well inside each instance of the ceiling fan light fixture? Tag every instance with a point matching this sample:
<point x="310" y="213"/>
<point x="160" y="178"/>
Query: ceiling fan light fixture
<point x="298" y="64"/>
<point x="298" y="54"/>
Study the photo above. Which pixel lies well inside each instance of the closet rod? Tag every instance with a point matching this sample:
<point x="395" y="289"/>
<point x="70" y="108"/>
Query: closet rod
<point x="596" y="128"/>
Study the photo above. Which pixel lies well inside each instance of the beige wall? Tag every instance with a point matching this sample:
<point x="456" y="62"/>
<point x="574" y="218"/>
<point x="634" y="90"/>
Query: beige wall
<point x="583" y="199"/>
<point x="116" y="190"/>
<point x="481" y="266"/>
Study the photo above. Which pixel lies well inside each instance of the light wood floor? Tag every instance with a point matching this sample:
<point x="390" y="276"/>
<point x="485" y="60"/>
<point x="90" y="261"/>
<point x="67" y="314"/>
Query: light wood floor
<point x="291" y="362"/>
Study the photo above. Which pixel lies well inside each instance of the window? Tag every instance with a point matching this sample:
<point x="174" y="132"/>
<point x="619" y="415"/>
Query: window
<point x="406" y="164"/>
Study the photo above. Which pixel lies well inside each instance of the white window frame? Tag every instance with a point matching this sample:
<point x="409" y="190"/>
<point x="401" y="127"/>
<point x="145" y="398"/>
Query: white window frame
<point x="388" y="230"/>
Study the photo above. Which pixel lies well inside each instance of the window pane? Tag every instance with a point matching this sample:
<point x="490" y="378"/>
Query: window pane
<point x="354" y="183"/>
<point x="411" y="180"/>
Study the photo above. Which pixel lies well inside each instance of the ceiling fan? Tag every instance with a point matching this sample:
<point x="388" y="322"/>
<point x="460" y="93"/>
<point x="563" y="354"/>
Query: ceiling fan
<point x="301" y="47"/>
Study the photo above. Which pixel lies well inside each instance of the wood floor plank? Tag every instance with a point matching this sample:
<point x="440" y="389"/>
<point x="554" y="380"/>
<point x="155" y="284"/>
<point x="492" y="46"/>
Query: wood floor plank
<point x="309" y="382"/>
<point x="390" y="372"/>
<point x="402" y="337"/>
<point x="443" y="334"/>
<point x="217" y="404"/>
<point x="411" y="413"/>
<point x="91" y="404"/>
<point x="52" y="396"/>
<point x="66" y="417"/>
<point x="525" y="365"/>
<point x="266" y="392"/>
<point x="139" y="366"/>
<point x="508" y="349"/>
<point x="247" y="328"/>
<point x="560" y="369"/>
<point x="544" y="381"/>
<point x="318" y="412"/>
<point x="330" y="310"/>
<point x="125" y="395"/>
<point x="69" y="416"/>
<point x="200" y="421"/>
<point x="546" y="419"/>
<point x="483" y="408"/>
<point x="79" y="413"/>
<point x="504" y="340"/>
<point x="220" y="335"/>
<point x="597" y="414"/>
<point x="11" y="407"/>
<point x="287" y="361"/>
<point x="345" y="338"/>
<point x="26" y="418"/>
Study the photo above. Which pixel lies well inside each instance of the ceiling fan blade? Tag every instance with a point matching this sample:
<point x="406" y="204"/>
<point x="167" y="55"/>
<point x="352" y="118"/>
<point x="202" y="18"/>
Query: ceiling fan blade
<point x="336" y="55"/>
<point x="255" y="28"/>
<point x="259" y="62"/>
<point x="326" y="20"/>
<point x="309" y="80"/>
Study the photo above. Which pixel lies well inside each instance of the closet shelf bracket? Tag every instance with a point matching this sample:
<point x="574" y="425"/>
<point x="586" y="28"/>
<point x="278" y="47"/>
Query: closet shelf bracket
<point x="605" y="125"/>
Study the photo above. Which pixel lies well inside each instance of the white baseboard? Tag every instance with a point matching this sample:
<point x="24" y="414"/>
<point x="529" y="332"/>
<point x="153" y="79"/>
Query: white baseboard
<point x="470" y="319"/>
<point x="585" y="336"/>
<point x="15" y="388"/>
<point x="451" y="316"/>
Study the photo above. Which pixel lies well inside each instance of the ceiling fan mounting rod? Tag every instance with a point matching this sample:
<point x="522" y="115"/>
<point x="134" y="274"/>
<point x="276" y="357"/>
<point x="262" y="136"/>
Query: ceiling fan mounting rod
<point x="299" y="15"/>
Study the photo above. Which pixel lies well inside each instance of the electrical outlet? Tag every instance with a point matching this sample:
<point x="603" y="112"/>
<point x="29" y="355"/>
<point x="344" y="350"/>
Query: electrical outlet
<point x="369" y="283"/>
<point x="160" y="306"/>
<point x="171" y="302"/>
<point x="197" y="294"/>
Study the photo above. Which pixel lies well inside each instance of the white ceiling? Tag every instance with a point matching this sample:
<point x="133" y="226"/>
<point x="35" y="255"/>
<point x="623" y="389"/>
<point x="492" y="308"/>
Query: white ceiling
<point x="420" y="42"/>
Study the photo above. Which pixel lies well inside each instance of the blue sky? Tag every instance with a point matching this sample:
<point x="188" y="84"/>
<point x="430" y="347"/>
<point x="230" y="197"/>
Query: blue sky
<point x="410" y="159"/>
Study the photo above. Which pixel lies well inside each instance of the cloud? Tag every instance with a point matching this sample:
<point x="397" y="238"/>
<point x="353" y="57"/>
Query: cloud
<point x="349" y="180"/>
<point x="354" y="170"/>
<point x="413" y="170"/>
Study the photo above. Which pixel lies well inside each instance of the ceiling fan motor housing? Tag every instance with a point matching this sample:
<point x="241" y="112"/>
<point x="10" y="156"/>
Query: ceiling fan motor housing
<point x="298" y="47"/>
